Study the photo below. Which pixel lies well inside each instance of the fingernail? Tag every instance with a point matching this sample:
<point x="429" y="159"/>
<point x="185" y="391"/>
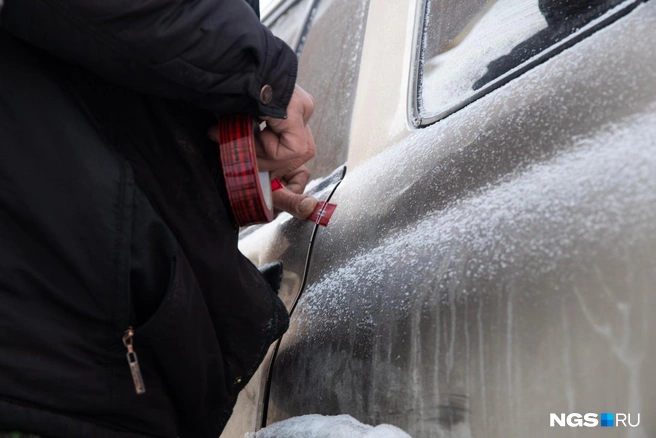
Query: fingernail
<point x="307" y="205"/>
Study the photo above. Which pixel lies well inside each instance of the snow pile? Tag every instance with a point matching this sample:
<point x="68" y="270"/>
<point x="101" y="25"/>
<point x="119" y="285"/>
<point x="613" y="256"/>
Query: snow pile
<point x="319" y="426"/>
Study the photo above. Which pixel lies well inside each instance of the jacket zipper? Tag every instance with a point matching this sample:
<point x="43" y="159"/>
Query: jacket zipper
<point x="133" y="362"/>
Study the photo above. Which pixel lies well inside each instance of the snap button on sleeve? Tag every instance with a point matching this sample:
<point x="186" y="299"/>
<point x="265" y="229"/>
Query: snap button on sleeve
<point x="266" y="94"/>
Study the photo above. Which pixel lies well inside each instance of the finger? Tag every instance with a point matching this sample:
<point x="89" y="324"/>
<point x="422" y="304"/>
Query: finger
<point x="282" y="147"/>
<point x="296" y="180"/>
<point x="299" y="206"/>
<point x="308" y="107"/>
<point x="266" y="162"/>
<point x="304" y="103"/>
<point x="284" y="153"/>
<point x="311" y="146"/>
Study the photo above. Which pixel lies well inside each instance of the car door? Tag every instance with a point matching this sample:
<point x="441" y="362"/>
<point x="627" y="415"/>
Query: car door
<point x="327" y="35"/>
<point x="492" y="260"/>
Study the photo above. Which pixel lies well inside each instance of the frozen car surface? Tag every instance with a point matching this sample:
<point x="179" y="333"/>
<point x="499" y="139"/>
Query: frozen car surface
<point x="492" y="259"/>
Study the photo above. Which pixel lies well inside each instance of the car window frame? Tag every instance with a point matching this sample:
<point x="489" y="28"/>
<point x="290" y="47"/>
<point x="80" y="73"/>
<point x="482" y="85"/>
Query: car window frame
<point x="418" y="120"/>
<point x="280" y="7"/>
<point x="275" y="7"/>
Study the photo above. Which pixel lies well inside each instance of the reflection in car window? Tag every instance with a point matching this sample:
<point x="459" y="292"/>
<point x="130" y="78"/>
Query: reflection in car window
<point x="330" y="33"/>
<point x="470" y="43"/>
<point x="289" y="25"/>
<point x="267" y="5"/>
<point x="328" y="69"/>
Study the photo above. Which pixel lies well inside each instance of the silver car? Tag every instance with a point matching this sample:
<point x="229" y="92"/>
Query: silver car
<point x="490" y="270"/>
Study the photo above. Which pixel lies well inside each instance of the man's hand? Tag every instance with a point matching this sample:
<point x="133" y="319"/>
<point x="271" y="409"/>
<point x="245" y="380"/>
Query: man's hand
<point x="291" y="198"/>
<point x="286" y="144"/>
<point x="283" y="148"/>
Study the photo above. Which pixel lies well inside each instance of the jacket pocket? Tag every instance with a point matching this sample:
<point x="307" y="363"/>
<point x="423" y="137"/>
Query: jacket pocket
<point x="183" y="345"/>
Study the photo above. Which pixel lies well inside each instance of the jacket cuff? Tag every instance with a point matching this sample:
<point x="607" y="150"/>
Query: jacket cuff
<point x="278" y="78"/>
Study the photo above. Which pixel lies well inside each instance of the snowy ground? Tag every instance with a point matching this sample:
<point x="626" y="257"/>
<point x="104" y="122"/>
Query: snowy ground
<point x="319" y="426"/>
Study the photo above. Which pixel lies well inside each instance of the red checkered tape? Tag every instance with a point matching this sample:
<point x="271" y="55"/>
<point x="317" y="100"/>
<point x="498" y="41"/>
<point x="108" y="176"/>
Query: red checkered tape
<point x="322" y="213"/>
<point x="276" y="184"/>
<point x="239" y="163"/>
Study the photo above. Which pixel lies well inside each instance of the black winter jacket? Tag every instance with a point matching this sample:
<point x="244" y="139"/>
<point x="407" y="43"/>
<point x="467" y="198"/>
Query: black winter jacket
<point x="213" y="54"/>
<point x="113" y="215"/>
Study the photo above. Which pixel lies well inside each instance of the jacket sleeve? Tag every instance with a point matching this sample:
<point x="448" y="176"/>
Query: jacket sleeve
<point x="214" y="54"/>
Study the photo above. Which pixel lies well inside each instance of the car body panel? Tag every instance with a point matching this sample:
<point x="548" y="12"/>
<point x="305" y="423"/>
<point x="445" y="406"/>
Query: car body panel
<point x="288" y="240"/>
<point x="328" y="69"/>
<point x="497" y="266"/>
<point x="329" y="72"/>
<point x="487" y="270"/>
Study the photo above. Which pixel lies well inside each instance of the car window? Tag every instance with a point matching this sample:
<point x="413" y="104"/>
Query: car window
<point x="328" y="69"/>
<point x="468" y="45"/>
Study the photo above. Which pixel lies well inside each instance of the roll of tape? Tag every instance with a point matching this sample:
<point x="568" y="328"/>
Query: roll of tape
<point x="249" y="190"/>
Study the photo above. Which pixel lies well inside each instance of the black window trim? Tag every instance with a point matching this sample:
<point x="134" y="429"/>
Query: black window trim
<point x="282" y="6"/>
<point x="415" y="117"/>
<point x="276" y="8"/>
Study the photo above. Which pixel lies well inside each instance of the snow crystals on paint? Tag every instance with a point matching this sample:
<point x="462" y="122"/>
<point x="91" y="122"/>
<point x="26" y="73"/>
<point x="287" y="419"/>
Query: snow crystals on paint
<point x="584" y="192"/>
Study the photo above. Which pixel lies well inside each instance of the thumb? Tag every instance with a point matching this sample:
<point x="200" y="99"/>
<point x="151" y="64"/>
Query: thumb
<point x="299" y="206"/>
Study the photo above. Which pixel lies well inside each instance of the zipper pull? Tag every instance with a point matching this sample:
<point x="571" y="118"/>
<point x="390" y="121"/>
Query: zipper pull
<point x="133" y="362"/>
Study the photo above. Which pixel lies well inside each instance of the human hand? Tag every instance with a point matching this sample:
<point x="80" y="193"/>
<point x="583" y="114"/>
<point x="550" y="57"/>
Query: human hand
<point x="282" y="148"/>
<point x="290" y="197"/>
<point x="286" y="144"/>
